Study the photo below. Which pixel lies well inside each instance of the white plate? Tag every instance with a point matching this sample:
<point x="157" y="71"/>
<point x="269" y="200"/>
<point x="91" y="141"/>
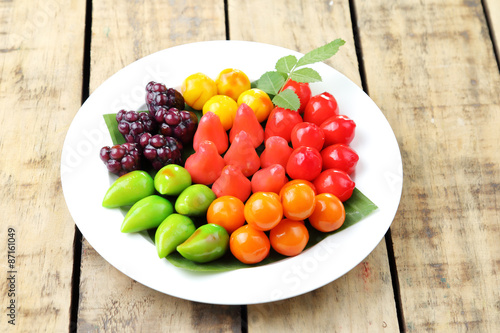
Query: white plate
<point x="85" y="180"/>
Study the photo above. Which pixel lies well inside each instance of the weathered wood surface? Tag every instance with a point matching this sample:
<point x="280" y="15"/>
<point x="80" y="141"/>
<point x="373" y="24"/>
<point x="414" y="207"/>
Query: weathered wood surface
<point x="430" y="66"/>
<point x="40" y="92"/>
<point x="123" y="32"/>
<point x="363" y="299"/>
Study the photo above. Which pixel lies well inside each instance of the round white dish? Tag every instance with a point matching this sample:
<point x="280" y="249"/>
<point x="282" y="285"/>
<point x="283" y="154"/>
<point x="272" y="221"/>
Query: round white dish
<point x="85" y="180"/>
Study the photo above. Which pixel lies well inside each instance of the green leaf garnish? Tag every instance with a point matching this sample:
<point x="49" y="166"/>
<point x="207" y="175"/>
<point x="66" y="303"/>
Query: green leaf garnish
<point x="271" y="82"/>
<point x="321" y="53"/>
<point x="286" y="64"/>
<point x="287" y="67"/>
<point x="306" y="75"/>
<point x="287" y="99"/>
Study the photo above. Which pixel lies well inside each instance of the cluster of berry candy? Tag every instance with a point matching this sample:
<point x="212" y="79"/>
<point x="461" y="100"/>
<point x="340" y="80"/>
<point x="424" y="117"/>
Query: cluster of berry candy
<point x="157" y="135"/>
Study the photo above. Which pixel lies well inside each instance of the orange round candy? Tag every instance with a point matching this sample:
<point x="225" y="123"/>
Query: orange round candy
<point x="298" y="181"/>
<point x="248" y="245"/>
<point x="289" y="237"/>
<point x="263" y="210"/>
<point x="226" y="211"/>
<point x="259" y="101"/>
<point x="232" y="82"/>
<point x="298" y="201"/>
<point x="329" y="213"/>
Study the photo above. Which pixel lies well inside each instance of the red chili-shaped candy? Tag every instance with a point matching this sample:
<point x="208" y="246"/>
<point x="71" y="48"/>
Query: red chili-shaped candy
<point x="304" y="163"/>
<point x="338" y="129"/>
<point x="320" y="108"/>
<point x="335" y="182"/>
<point x="340" y="157"/>
<point x="281" y="122"/>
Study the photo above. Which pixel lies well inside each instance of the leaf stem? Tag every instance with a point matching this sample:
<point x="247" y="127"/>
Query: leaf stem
<point x="289" y="75"/>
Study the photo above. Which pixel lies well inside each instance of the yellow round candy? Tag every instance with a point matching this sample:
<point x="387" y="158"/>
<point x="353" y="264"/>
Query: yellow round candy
<point x="223" y="106"/>
<point x="197" y="89"/>
<point x="259" y="101"/>
<point x="232" y="82"/>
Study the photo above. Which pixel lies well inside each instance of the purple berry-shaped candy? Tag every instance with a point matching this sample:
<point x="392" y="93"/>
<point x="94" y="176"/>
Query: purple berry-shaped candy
<point x="158" y="95"/>
<point x="179" y="124"/>
<point x="161" y="150"/>
<point x="121" y="159"/>
<point x="132" y="124"/>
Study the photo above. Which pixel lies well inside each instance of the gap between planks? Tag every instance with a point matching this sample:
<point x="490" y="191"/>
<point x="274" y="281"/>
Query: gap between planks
<point x="388" y="237"/>
<point x="491" y="31"/>
<point x="77" y="243"/>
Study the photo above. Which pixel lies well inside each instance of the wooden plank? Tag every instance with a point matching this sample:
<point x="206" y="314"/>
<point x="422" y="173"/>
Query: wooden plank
<point x="40" y="91"/>
<point x="431" y="67"/>
<point x="492" y="8"/>
<point x="111" y="301"/>
<point x="297" y="25"/>
<point x="121" y="33"/>
<point x="363" y="299"/>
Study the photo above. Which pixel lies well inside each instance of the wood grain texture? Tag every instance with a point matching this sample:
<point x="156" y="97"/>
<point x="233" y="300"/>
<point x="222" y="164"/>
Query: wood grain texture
<point x="430" y="67"/>
<point x="492" y="8"/>
<point x="123" y="32"/>
<point x="40" y="92"/>
<point x="363" y="299"/>
<point x="112" y="302"/>
<point x="297" y="25"/>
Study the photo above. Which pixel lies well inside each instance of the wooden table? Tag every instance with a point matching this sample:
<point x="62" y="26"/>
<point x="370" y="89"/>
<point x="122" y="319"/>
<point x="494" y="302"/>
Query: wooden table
<point x="432" y="66"/>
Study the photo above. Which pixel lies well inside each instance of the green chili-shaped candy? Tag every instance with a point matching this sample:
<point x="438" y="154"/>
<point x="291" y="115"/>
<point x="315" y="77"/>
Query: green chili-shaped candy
<point x="207" y="243"/>
<point x="172" y="179"/>
<point x="147" y="213"/>
<point x="128" y="189"/>
<point x="194" y="200"/>
<point x="173" y="231"/>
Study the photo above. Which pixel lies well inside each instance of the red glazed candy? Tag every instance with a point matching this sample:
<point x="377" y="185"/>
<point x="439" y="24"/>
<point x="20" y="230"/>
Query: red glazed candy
<point x="232" y="182"/>
<point x="335" y="182"/>
<point x="277" y="151"/>
<point x="205" y="165"/>
<point x="340" y="157"/>
<point x="246" y="120"/>
<point x="302" y="90"/>
<point x="320" y="108"/>
<point x="304" y="163"/>
<point x="242" y="154"/>
<point x="338" y="129"/>
<point x="307" y="134"/>
<point x="281" y="122"/>
<point x="210" y="128"/>
<point x="270" y="179"/>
